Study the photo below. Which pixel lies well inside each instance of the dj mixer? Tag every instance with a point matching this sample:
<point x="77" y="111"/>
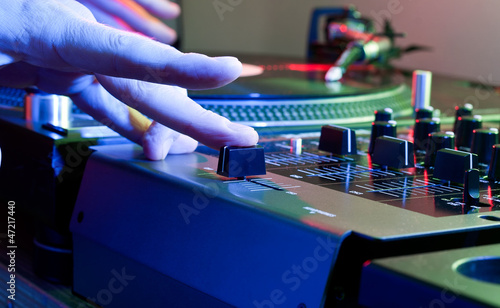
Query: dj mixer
<point x="319" y="227"/>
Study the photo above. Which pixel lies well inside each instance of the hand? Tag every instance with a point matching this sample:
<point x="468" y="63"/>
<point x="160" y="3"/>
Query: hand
<point x="58" y="46"/>
<point x="140" y="15"/>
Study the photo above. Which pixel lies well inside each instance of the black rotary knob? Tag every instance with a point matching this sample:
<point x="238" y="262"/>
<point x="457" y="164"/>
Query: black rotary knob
<point x="423" y="127"/>
<point x="451" y="165"/>
<point x="337" y="140"/>
<point x="460" y="111"/>
<point x="482" y="143"/>
<point x="239" y="162"/>
<point x="438" y="141"/>
<point x="494" y="169"/>
<point x="425" y="112"/>
<point x="383" y="114"/>
<point x="379" y="129"/>
<point x="465" y="128"/>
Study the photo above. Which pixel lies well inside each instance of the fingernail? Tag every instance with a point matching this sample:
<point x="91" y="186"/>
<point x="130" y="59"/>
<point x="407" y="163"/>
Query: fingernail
<point x="247" y="135"/>
<point x="238" y="127"/>
<point x="229" y="61"/>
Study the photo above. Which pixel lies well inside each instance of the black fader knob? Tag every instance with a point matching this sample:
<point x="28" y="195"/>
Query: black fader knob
<point x="482" y="143"/>
<point x="494" y="169"/>
<point x="337" y="140"/>
<point x="379" y="129"/>
<point x="383" y="115"/>
<point x="438" y="141"/>
<point x="423" y="127"/>
<point x="471" y="187"/>
<point x="423" y="113"/>
<point x="465" y="127"/>
<point x="393" y="153"/>
<point x="460" y="111"/>
<point x="239" y="162"/>
<point x="451" y="165"/>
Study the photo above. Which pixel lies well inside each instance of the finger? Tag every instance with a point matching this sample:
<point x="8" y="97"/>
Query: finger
<point x="159" y="140"/>
<point x="161" y="8"/>
<point x="104" y="50"/>
<point x="55" y="36"/>
<point x="172" y="108"/>
<point x="23" y="75"/>
<point x="104" y="17"/>
<point x="98" y="103"/>
<point x="137" y="18"/>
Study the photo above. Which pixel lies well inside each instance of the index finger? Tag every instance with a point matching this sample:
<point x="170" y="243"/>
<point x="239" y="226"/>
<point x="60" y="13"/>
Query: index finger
<point x="173" y="108"/>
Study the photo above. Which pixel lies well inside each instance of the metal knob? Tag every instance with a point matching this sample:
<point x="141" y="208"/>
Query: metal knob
<point x="48" y="108"/>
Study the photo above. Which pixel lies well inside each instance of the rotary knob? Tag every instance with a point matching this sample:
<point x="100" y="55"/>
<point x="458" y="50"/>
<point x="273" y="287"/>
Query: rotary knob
<point x="383" y="115"/>
<point x="423" y="113"/>
<point x="337" y="140"/>
<point x="296" y="146"/>
<point x="465" y="128"/>
<point x="421" y="89"/>
<point x="494" y="169"/>
<point x="423" y="127"/>
<point x="48" y="108"/>
<point x="240" y="162"/>
<point x="482" y="143"/>
<point x="379" y="129"/>
<point x="460" y="111"/>
<point x="438" y="141"/>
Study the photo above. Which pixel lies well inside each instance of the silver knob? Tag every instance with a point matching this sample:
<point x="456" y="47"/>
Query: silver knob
<point x="48" y="108"/>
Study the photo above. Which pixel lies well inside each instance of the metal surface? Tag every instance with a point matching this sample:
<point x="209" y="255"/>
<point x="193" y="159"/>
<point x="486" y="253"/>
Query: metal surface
<point x="468" y="277"/>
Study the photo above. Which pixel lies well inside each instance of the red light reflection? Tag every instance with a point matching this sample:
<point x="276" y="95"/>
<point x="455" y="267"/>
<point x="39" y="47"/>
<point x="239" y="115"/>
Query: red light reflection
<point x="490" y="198"/>
<point x="308" y="67"/>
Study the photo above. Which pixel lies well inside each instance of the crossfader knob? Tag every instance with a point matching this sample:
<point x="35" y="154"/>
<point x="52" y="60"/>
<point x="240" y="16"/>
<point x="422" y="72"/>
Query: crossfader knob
<point x="239" y="162"/>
